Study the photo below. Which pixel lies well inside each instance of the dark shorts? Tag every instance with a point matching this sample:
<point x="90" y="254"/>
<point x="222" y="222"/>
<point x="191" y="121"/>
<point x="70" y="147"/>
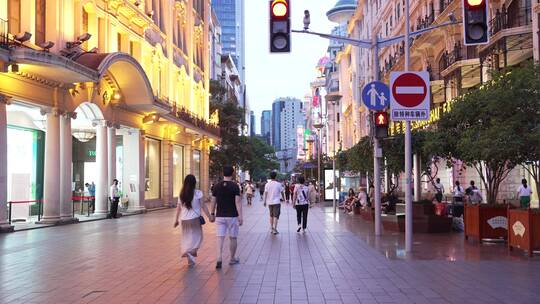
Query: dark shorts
<point x="275" y="210"/>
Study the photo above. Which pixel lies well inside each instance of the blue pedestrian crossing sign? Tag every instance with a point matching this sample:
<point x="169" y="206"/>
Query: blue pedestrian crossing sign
<point x="376" y="96"/>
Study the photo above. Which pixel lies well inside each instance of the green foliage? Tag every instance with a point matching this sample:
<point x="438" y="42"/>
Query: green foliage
<point x="236" y="150"/>
<point x="485" y="126"/>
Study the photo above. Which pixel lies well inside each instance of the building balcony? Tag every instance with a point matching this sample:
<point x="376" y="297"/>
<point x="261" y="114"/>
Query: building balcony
<point x="4" y="36"/>
<point x="194" y="121"/>
<point x="458" y="57"/>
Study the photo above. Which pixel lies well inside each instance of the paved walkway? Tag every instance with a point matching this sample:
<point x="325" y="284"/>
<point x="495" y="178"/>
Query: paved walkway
<point x="136" y="260"/>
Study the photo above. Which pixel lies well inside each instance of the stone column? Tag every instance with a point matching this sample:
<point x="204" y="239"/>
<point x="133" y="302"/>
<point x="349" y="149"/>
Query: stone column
<point x="4" y="224"/>
<point x="66" y="175"/>
<point x="51" y="192"/>
<point x="102" y="188"/>
<point x="168" y="173"/>
<point x="134" y="172"/>
<point x="111" y="153"/>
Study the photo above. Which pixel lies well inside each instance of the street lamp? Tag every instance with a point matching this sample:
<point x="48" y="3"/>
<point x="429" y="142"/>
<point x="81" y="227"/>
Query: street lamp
<point x="319" y="126"/>
<point x="334" y="99"/>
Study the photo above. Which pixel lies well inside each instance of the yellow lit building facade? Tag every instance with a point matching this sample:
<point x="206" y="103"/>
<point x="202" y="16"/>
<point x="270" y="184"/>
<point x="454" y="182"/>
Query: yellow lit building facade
<point x="98" y="90"/>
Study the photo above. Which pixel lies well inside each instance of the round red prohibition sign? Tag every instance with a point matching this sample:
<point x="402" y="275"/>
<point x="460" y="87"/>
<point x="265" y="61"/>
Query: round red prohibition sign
<point x="409" y="90"/>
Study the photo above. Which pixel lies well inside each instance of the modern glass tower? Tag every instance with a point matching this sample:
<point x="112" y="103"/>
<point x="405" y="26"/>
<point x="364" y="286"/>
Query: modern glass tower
<point x="230" y="14"/>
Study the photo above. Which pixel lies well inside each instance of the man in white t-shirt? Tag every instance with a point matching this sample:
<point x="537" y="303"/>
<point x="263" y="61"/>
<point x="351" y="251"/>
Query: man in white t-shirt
<point x="273" y="195"/>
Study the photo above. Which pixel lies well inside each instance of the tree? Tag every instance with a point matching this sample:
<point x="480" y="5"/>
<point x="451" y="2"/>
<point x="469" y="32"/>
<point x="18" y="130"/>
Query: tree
<point x="235" y="149"/>
<point x="483" y="129"/>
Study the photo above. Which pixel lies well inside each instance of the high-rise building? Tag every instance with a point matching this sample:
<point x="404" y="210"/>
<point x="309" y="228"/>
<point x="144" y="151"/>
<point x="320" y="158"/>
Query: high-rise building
<point x="231" y="16"/>
<point x="251" y="123"/>
<point x="287" y="116"/>
<point x="266" y="123"/>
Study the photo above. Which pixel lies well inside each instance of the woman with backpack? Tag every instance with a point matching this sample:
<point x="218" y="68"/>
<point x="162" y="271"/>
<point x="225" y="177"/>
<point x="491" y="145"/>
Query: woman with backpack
<point x="301" y="203"/>
<point x="190" y="204"/>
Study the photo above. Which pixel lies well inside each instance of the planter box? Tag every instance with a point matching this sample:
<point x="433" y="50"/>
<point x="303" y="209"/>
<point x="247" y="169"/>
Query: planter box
<point x="524" y="230"/>
<point x="485" y="222"/>
<point x="368" y="214"/>
<point x="421" y="210"/>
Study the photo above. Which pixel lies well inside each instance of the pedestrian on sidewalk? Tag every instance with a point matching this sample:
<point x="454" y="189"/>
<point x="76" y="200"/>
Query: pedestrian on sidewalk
<point x="524" y="194"/>
<point x="301" y="203"/>
<point x="475" y="197"/>
<point x="261" y="189"/>
<point x="287" y="187"/>
<point x="92" y="193"/>
<point x="115" y="198"/>
<point x="273" y="195"/>
<point x="190" y="204"/>
<point x="439" y="190"/>
<point x="226" y="211"/>
<point x="249" y="192"/>
<point x="459" y="193"/>
<point x="313" y="194"/>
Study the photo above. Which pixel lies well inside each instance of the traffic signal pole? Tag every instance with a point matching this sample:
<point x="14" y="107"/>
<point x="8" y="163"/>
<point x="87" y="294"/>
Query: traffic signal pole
<point x="375" y="45"/>
<point x="408" y="152"/>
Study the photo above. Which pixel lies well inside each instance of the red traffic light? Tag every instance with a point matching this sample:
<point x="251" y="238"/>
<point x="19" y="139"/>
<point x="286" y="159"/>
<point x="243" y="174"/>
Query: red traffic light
<point x="280" y="8"/>
<point x="475" y="4"/>
<point x="381" y="119"/>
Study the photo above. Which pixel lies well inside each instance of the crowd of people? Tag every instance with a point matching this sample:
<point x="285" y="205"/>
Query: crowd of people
<point x="225" y="209"/>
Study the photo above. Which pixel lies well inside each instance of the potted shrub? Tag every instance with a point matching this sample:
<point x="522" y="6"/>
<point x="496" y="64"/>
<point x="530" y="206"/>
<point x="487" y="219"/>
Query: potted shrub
<point x="486" y="221"/>
<point x="524" y="229"/>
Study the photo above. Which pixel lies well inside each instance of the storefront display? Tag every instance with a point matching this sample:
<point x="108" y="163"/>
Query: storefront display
<point x="178" y="169"/>
<point x="152" y="168"/>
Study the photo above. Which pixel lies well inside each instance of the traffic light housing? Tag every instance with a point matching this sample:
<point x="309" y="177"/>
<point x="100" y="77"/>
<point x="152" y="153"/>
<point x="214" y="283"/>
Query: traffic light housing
<point x="280" y="26"/>
<point x="381" y="124"/>
<point x="475" y="22"/>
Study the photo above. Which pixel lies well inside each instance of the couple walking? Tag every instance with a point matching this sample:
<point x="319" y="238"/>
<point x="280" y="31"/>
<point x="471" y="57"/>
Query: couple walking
<point x="225" y="211"/>
<point x="273" y="196"/>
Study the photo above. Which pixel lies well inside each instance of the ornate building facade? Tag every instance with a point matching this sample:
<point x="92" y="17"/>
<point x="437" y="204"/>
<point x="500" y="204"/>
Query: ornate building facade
<point x="99" y="90"/>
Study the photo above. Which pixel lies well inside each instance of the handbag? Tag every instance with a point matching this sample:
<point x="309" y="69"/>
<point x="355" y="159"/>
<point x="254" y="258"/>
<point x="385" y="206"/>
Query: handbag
<point x="202" y="220"/>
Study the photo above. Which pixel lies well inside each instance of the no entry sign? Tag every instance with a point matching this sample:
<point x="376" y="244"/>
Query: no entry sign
<point x="410" y="95"/>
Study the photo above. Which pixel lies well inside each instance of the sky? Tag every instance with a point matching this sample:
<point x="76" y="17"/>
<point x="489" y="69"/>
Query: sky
<point x="270" y="76"/>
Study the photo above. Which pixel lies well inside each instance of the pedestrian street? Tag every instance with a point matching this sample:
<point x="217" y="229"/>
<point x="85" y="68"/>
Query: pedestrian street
<point x="135" y="259"/>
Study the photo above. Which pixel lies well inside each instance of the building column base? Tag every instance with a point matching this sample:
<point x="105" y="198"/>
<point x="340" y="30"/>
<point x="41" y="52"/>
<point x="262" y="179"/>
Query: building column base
<point x="68" y="220"/>
<point x="135" y="210"/>
<point x="5" y="228"/>
<point x="53" y="220"/>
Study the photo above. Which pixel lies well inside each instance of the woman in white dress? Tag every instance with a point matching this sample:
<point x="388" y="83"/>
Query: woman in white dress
<point x="190" y="204"/>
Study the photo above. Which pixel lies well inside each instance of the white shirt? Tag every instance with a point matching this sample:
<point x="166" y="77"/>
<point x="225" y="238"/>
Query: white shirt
<point x="362" y="196"/>
<point x="195" y="211"/>
<point x="458" y="191"/>
<point x="302" y="194"/>
<point x="273" y="191"/>
<point x="439" y="187"/>
<point x="524" y="191"/>
<point x="114" y="191"/>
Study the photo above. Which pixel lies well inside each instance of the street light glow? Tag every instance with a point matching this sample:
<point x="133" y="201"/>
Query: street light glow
<point x="474" y="2"/>
<point x="279" y="8"/>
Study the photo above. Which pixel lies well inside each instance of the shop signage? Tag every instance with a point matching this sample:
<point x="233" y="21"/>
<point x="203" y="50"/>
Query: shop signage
<point x="410" y="96"/>
<point x="92" y="153"/>
<point x="498" y="222"/>
<point x="518" y="228"/>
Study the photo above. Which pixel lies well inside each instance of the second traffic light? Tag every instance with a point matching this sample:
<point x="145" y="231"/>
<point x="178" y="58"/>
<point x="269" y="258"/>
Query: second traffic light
<point x="381" y="124"/>
<point x="280" y="26"/>
<point x="475" y="22"/>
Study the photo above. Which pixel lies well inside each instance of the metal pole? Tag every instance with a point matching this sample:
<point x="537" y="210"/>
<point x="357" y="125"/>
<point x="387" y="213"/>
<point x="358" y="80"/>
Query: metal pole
<point x="376" y="149"/>
<point x="408" y="160"/>
<point x="334" y="159"/>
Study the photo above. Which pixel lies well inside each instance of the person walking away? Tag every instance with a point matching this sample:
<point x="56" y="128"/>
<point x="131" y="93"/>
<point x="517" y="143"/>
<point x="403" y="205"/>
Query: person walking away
<point x="92" y="193"/>
<point x="301" y="203"/>
<point x="226" y="211"/>
<point x="524" y="194"/>
<point x="439" y="190"/>
<point x="273" y="195"/>
<point x="371" y="194"/>
<point x="312" y="194"/>
<point x="115" y="198"/>
<point x="188" y="209"/>
<point x="458" y="194"/>
<point x="249" y="192"/>
<point x="475" y="197"/>
<point x="287" y="192"/>
<point x="261" y="189"/>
